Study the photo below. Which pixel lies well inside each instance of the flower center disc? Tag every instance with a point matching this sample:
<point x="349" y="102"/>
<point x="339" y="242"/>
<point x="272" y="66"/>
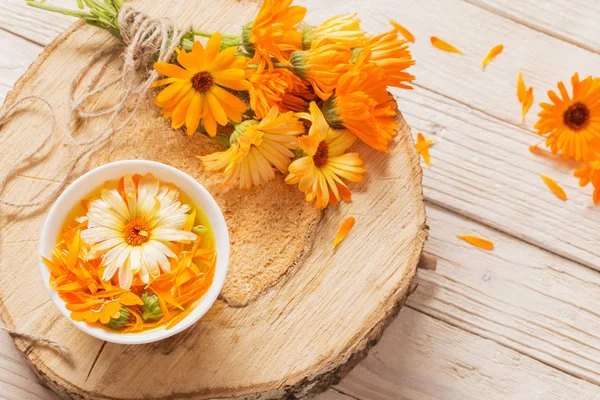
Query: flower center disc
<point x="321" y="155"/>
<point x="136" y="232"/>
<point x="577" y="116"/>
<point x="202" y="81"/>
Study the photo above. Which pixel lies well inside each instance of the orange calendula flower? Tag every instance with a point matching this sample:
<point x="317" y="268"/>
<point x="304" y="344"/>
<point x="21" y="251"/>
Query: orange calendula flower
<point x="477" y="241"/>
<point x="422" y="147"/>
<point x="196" y="90"/>
<point x="590" y="173"/>
<point x="492" y="54"/>
<point x="403" y="31"/>
<point x="274" y="32"/>
<point x="555" y="187"/>
<point x="341" y="29"/>
<point x="442" y="45"/>
<point x="572" y="123"/>
<point x="257" y="147"/>
<point x="345" y="228"/>
<point x="103" y="314"/>
<point x="319" y="174"/>
<point x="322" y="66"/>
<point x="393" y="56"/>
<point x="278" y="87"/>
<point x="363" y="105"/>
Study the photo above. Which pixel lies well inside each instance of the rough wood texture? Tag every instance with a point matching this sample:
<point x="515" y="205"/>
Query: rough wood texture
<point x="293" y="340"/>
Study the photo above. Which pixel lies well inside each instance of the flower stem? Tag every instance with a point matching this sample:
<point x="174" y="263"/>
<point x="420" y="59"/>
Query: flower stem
<point x="209" y="34"/>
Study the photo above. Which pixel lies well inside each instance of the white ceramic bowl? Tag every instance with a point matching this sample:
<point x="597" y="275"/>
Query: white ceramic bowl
<point x="94" y="179"/>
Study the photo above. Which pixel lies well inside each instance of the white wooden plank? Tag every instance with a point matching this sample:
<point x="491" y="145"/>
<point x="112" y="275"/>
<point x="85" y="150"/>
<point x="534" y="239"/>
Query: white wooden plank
<point x="571" y="21"/>
<point x="422" y="358"/>
<point x="518" y="295"/>
<point x="16" y="56"/>
<point x="36" y="25"/>
<point x="482" y="168"/>
<point x="17" y="381"/>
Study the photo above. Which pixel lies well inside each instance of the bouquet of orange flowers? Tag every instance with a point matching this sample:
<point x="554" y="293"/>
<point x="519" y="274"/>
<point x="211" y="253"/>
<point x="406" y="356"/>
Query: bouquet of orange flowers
<point x="297" y="98"/>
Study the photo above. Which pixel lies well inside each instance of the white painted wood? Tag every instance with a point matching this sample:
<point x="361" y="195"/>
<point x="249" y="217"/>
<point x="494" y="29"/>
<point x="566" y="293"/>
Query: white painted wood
<point x="439" y="361"/>
<point x="570" y="20"/>
<point x="36" y="25"/>
<point x="482" y="168"/>
<point x="518" y="295"/>
<point x="16" y="55"/>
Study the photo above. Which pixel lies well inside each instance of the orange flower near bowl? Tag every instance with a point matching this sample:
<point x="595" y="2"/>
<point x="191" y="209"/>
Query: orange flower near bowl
<point x="257" y="147"/>
<point x="572" y="123"/>
<point x="319" y="174"/>
<point x="196" y="90"/>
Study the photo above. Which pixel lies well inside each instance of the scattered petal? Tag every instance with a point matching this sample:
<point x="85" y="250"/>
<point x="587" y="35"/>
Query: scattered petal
<point x="422" y="146"/>
<point x="492" y="54"/>
<point x="403" y="31"/>
<point x="477" y="241"/>
<point x="527" y="104"/>
<point x="555" y="187"/>
<point x="521" y="89"/>
<point x="442" y="45"/>
<point x="344" y="230"/>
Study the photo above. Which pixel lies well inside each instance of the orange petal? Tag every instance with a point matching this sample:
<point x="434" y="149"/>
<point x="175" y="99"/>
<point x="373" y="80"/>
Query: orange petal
<point x="492" y="54"/>
<point x="477" y="241"/>
<point x="422" y="147"/>
<point x="403" y="31"/>
<point x="521" y="89"/>
<point x="343" y="231"/>
<point x="556" y="189"/>
<point x="442" y="45"/>
<point x="527" y="104"/>
<point x="130" y="299"/>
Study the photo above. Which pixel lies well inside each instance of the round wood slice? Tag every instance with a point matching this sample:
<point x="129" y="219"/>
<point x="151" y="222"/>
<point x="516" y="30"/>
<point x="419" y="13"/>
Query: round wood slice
<point x="295" y="314"/>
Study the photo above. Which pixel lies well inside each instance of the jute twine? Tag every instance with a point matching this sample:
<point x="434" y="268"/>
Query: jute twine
<point x="143" y="38"/>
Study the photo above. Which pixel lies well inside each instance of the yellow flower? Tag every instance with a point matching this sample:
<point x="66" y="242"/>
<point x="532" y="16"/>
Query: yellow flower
<point x="196" y="91"/>
<point x="590" y="173"/>
<point x="362" y="104"/>
<point x="319" y="174"/>
<point x="393" y="56"/>
<point x="322" y="66"/>
<point x="341" y="29"/>
<point x="573" y="124"/>
<point x="257" y="147"/>
<point x="278" y="87"/>
<point x="273" y="32"/>
<point x="133" y="232"/>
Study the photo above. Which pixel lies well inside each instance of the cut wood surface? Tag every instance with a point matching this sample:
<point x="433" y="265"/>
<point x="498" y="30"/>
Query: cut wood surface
<point x="475" y="120"/>
<point x="305" y="330"/>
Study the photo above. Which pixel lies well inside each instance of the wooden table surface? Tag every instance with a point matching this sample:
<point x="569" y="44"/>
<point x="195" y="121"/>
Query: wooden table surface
<point x="519" y="322"/>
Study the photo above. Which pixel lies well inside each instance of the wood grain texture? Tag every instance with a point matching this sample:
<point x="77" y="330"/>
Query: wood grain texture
<point x="326" y="313"/>
<point x="517" y="295"/>
<point x="566" y="21"/>
<point x="440" y="361"/>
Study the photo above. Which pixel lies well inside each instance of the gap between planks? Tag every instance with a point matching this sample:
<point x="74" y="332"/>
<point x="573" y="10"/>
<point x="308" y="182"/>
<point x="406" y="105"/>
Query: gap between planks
<point x="532" y="26"/>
